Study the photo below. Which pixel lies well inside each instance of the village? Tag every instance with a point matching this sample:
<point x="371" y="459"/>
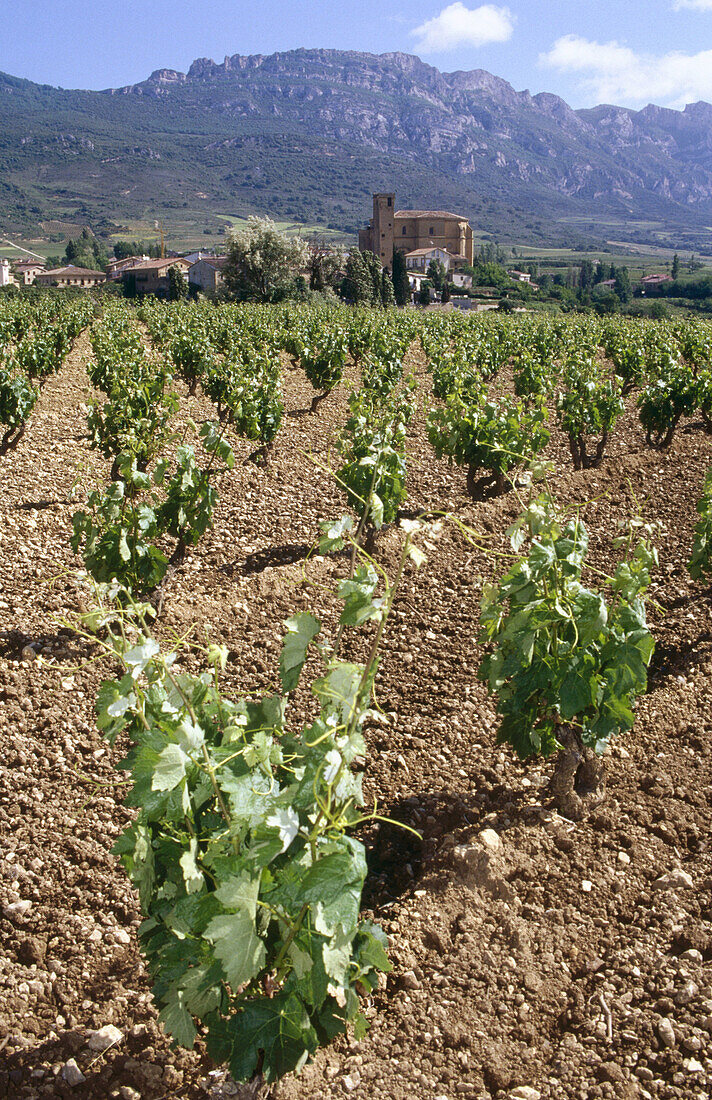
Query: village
<point x="433" y="249"/>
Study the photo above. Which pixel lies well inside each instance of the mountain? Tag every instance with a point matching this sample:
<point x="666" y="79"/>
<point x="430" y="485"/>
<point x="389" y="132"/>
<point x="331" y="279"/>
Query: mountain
<point x="308" y="135"/>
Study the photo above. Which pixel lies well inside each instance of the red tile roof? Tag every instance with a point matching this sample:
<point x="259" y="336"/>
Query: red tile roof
<point x="71" y="270"/>
<point x="429" y="214"/>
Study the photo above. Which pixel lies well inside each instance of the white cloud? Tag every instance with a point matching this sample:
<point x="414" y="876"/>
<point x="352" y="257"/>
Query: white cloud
<point x="612" y="73"/>
<point x="460" y="26"/>
<point x="696" y="5"/>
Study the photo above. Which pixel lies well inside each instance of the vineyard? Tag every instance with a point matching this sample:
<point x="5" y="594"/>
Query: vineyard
<point x="355" y="703"/>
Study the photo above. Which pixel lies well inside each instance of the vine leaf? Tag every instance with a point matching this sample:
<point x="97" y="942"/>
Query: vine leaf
<point x="301" y="629"/>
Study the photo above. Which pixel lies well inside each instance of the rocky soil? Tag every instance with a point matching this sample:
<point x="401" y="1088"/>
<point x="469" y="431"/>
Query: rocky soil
<point x="533" y="957"/>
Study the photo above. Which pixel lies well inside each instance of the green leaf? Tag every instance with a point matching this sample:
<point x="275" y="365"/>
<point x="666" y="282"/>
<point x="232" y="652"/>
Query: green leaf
<point x="170" y="769"/>
<point x="240" y="892"/>
<point x="276" y="1030"/>
<point x="357" y="594"/>
<point x="192" y="875"/>
<point x="237" y="946"/>
<point x="333" y="885"/>
<point x="338" y="691"/>
<point x="578" y="689"/>
<point x="178" y="1022"/>
<point x="301" y="629"/>
<point x="333" y="534"/>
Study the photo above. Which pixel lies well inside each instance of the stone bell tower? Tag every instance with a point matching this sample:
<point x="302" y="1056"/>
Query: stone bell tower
<point x="384" y="208"/>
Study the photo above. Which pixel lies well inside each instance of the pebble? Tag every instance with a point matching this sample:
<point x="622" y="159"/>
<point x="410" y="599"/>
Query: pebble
<point x="16" y="909"/>
<point x="105" y="1037"/>
<point x="127" y="1093"/>
<point x="623" y="857"/>
<point x="352" y="1081"/>
<point x="692" y="955"/>
<point x="122" y="936"/>
<point x="525" y="1092"/>
<point x="693" y="1066"/>
<point x="410" y="981"/>
<point x="666" y="1032"/>
<point x="673" y="880"/>
<point x="688" y="993"/>
<point x="72" y="1073"/>
<point x="491" y="840"/>
<point x="586" y="886"/>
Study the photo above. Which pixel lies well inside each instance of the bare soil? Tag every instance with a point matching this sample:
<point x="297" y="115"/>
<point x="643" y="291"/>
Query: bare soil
<point x="572" y="959"/>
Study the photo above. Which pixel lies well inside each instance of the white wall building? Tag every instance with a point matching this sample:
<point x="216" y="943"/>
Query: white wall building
<point x="5" y="276"/>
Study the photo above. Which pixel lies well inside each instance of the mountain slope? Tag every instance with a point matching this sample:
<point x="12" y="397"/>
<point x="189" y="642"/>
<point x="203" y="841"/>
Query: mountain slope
<point x="309" y="134"/>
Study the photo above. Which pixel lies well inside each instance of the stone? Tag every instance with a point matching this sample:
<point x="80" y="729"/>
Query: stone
<point x="351" y="1081"/>
<point x="410" y="981"/>
<point x="484" y="869"/>
<point x="72" y="1074"/>
<point x="610" y="1071"/>
<point x="666" y="1032"/>
<point x="587" y="886"/>
<point x="105" y="1037"/>
<point x="127" y="1093"/>
<point x="491" y="840"/>
<point x="525" y="1092"/>
<point x="693" y="1066"/>
<point x="688" y="993"/>
<point x="692" y="955"/>
<point x="674" y="880"/>
<point x="16" y="909"/>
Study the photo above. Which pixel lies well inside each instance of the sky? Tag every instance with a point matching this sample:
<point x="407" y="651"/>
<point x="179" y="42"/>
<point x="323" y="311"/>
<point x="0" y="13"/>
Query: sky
<point x="629" y="52"/>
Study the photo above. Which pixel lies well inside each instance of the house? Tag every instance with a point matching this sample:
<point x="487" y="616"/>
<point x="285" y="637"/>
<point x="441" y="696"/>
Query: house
<point x="460" y="280"/>
<point x="520" y="276"/>
<point x="201" y="254"/>
<point x="411" y="230"/>
<point x="655" y="280"/>
<point x="470" y="305"/>
<point x="5" y="276"/>
<point x="25" y="271"/>
<point x="421" y="258"/>
<point x="206" y="273"/>
<point x="116" y="268"/>
<point x="70" y="276"/>
<point x="151" y="276"/>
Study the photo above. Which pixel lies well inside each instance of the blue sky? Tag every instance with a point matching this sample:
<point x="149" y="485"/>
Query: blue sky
<point x="629" y="52"/>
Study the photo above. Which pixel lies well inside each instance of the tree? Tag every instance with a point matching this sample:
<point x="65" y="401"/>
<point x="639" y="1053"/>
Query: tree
<point x="356" y="286"/>
<point x="177" y="284"/>
<point x="86" y="251"/>
<point x="445" y="295"/>
<point x="436" y="274"/>
<point x="424" y="293"/>
<point x="675" y="266"/>
<point x="262" y="263"/>
<point x="586" y="275"/>
<point x="401" y="283"/>
<point x="387" y="295"/>
<point x="325" y="265"/>
<point x="374" y="268"/>
<point x="622" y="286"/>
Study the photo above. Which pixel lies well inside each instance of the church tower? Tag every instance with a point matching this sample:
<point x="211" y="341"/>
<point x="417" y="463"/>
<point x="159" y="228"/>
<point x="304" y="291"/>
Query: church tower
<point x="382" y="232"/>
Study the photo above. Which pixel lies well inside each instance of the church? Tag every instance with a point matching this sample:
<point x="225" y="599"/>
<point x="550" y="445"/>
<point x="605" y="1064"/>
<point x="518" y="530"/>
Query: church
<point x="417" y="233"/>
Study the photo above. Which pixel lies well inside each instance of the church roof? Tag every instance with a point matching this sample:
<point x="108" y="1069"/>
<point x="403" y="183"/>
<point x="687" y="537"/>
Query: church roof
<point x="429" y="214"/>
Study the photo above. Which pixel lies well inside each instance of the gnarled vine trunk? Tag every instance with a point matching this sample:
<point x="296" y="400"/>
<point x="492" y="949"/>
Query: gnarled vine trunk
<point x="578" y="783"/>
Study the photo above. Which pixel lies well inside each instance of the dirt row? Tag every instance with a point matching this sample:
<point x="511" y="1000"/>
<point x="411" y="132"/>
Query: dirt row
<point x="533" y="956"/>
